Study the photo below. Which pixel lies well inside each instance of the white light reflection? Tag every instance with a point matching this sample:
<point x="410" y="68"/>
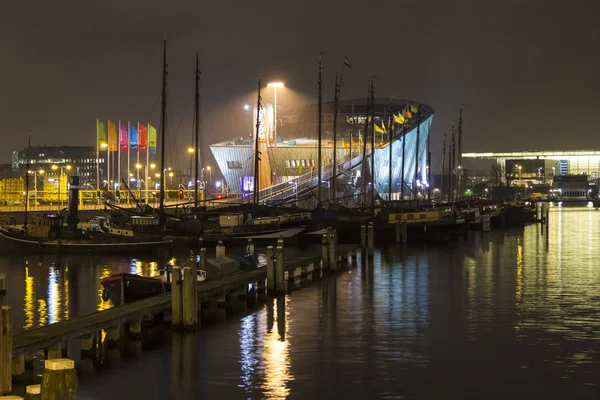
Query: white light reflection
<point x="53" y="296"/>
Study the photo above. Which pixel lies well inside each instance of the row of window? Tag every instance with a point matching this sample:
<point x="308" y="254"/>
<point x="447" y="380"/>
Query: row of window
<point x="299" y="163"/>
<point x="574" y="194"/>
<point x="234" y="164"/>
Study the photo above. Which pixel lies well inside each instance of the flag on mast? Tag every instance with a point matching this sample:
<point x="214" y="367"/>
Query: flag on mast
<point x="142" y="138"/>
<point x="123" y="137"/>
<point x="133" y="138"/>
<point x="151" y="139"/>
<point x="112" y="136"/>
<point x="101" y="134"/>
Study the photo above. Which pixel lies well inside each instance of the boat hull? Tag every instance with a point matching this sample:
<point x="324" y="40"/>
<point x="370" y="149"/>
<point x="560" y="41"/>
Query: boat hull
<point x="131" y="287"/>
<point x="13" y="242"/>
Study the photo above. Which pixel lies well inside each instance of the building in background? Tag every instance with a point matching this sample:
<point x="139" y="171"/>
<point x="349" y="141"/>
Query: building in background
<point x="81" y="161"/>
<point x="290" y="157"/>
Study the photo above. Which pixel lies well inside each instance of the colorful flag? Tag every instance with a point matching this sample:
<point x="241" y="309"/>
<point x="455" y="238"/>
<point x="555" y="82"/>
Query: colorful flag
<point x="378" y="129"/>
<point x="101" y="135"/>
<point x="133" y="138"/>
<point x="399" y="119"/>
<point x="123" y="138"/>
<point x="142" y="138"/>
<point x="112" y="136"/>
<point x="414" y="108"/>
<point x="407" y="114"/>
<point x="151" y="139"/>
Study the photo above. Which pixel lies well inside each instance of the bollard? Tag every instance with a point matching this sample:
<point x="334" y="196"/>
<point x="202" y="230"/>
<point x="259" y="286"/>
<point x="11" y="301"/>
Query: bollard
<point x="279" y="272"/>
<point x="220" y="250"/>
<point x="250" y="247"/>
<point x="325" y="251"/>
<point x="398" y="232"/>
<point x="32" y="392"/>
<point x="404" y="232"/>
<point x="176" y="297"/>
<point x="6" y="337"/>
<point x="363" y="237"/>
<point x="190" y="300"/>
<point x="59" y="380"/>
<point x="2" y="282"/>
<point x="371" y="238"/>
<point x="333" y="265"/>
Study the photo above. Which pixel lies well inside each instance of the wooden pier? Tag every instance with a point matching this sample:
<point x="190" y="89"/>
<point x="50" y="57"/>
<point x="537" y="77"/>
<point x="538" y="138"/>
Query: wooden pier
<point x="48" y="336"/>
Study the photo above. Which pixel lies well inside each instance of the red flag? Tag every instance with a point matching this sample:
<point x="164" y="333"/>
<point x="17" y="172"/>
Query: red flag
<point x="123" y="138"/>
<point x="142" y="138"/>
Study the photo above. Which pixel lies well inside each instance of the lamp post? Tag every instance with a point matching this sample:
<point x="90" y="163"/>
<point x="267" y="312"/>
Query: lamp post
<point x="275" y="85"/>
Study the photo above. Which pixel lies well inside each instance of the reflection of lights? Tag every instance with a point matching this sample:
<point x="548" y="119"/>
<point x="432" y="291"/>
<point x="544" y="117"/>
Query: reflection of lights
<point x="154" y="269"/>
<point x="519" y="289"/>
<point x="277" y="361"/>
<point x="248" y="350"/>
<point x="67" y="294"/>
<point x="42" y="312"/>
<point x="53" y="296"/>
<point x="29" y="305"/>
<point x="103" y="305"/>
<point x="172" y="262"/>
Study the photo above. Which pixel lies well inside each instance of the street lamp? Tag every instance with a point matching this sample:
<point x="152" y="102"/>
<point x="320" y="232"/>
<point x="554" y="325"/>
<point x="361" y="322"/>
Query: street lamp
<point x="275" y="85"/>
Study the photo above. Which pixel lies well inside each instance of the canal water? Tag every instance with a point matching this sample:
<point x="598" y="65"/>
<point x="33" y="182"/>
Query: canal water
<point x="507" y="314"/>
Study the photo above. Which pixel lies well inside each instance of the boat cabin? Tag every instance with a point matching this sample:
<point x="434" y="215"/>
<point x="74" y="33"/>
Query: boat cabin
<point x="42" y="225"/>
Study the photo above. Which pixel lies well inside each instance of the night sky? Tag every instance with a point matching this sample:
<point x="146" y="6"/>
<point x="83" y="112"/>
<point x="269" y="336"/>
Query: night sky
<point x="527" y="70"/>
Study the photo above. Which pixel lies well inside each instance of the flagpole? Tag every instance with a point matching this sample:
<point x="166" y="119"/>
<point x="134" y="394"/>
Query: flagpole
<point x="335" y="112"/>
<point x="319" y="133"/>
<point x="97" y="157"/>
<point x="403" y="159"/>
<point x="138" y="161"/>
<point x="373" y="145"/>
<point x="119" y="160"/>
<point x="108" y="154"/>
<point x="390" y="140"/>
<point x="148" y="161"/>
<point x="416" y="193"/>
<point x="128" y="155"/>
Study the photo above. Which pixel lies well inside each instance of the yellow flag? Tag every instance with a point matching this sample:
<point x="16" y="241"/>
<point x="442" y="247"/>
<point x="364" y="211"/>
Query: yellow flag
<point x="414" y="108"/>
<point x="399" y="119"/>
<point x="379" y="129"/>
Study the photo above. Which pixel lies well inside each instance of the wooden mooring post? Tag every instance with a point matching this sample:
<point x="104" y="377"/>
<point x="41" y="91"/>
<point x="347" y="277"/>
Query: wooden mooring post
<point x="6" y="337"/>
<point x="333" y="257"/>
<point x="190" y="298"/>
<point x="325" y="251"/>
<point x="33" y="392"/>
<point x="363" y="237"/>
<point x="270" y="270"/>
<point x="59" y="380"/>
<point x="279" y="270"/>
<point x="371" y="238"/>
<point x="2" y="282"/>
<point x="176" y="311"/>
<point x="404" y="232"/>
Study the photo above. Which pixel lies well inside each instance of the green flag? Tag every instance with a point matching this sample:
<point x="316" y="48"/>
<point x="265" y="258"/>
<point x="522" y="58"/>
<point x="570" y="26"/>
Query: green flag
<point x="101" y="134"/>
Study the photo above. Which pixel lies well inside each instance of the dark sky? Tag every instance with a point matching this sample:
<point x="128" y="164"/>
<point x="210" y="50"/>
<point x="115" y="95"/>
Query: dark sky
<point x="527" y="70"/>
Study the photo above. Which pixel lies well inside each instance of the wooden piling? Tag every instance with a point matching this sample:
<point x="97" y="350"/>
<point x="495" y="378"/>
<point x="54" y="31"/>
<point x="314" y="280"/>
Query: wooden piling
<point x="54" y="352"/>
<point x="33" y="392"/>
<point x="135" y="328"/>
<point x="363" y="237"/>
<point x="270" y="270"/>
<point x="190" y="299"/>
<point x="371" y="238"/>
<point x="250" y="247"/>
<point x="2" y="282"/>
<point x="220" y="249"/>
<point x="404" y="232"/>
<point x="398" y="232"/>
<point x="59" y="380"/>
<point x="6" y="337"/>
<point x="18" y="365"/>
<point x="176" y="311"/>
<point x="202" y="265"/>
<point x="280" y="271"/>
<point x="325" y="252"/>
<point x="333" y="265"/>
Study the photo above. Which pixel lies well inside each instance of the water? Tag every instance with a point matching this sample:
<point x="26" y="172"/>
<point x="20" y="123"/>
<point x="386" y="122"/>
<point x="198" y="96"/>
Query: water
<point x="505" y="314"/>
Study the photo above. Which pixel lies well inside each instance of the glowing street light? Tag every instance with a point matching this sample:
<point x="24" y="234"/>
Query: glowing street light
<point x="246" y="107"/>
<point x="138" y="166"/>
<point x="191" y="150"/>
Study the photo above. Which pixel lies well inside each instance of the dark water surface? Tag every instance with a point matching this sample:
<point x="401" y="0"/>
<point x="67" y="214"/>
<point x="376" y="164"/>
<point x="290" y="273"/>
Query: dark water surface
<point x="502" y="315"/>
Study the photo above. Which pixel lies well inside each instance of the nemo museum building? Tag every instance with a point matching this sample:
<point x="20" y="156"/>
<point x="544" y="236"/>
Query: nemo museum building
<point x="288" y="149"/>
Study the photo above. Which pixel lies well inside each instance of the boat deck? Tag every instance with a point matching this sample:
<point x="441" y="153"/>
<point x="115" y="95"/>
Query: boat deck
<point x="39" y="339"/>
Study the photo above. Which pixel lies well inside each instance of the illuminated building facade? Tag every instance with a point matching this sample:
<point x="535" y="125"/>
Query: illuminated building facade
<point x="292" y="158"/>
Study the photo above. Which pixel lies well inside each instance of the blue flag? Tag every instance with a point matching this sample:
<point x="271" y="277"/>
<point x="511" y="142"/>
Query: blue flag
<point x="133" y="138"/>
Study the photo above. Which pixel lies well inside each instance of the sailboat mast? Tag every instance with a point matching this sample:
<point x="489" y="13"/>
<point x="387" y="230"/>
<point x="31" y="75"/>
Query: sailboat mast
<point x="443" y="169"/>
<point x="452" y="163"/>
<point x="27" y="183"/>
<point x="163" y="124"/>
<point x="320" y="132"/>
<point x="364" y="153"/>
<point x="391" y="141"/>
<point x="256" y="154"/>
<point x="335" y="112"/>
<point x="403" y="156"/>
<point x="196" y="124"/>
<point x="415" y="186"/>
<point x="372" y="145"/>
<point x="459" y="155"/>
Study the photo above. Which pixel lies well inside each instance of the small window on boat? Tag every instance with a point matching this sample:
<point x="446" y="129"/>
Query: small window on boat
<point x="423" y="216"/>
<point x="410" y="216"/>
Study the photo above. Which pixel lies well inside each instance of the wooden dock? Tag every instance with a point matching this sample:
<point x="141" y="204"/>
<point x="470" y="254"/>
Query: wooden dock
<point x="43" y="338"/>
